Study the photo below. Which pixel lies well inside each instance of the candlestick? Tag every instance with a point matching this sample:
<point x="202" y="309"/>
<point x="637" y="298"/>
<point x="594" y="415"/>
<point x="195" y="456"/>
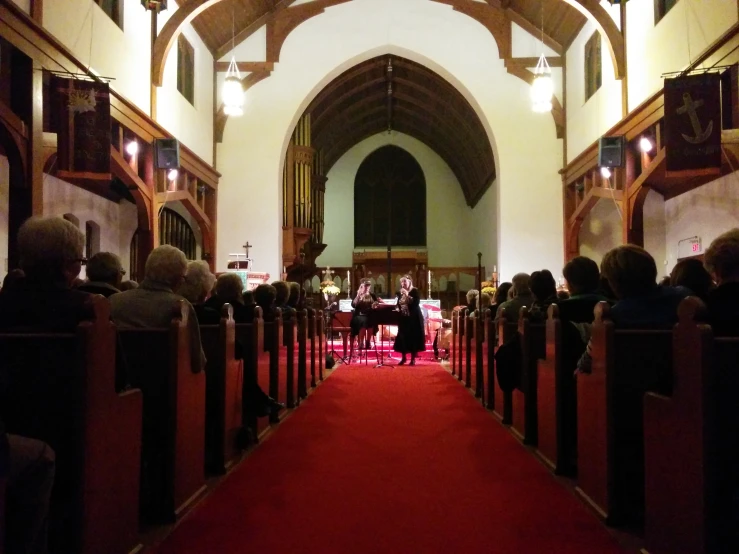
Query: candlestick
<point x="429" y="294"/>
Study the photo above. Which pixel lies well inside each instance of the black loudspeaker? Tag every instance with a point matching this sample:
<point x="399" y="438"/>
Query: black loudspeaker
<point x="166" y="153"/>
<point x="611" y="151"/>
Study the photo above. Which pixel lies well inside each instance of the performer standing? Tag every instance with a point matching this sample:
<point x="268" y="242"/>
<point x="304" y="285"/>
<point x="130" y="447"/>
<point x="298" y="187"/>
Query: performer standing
<point x="411" y="337"/>
<point x="362" y="305"/>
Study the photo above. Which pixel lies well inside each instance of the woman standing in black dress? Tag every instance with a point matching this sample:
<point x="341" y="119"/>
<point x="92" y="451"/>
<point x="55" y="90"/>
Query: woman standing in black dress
<point x="411" y="336"/>
<point x="362" y="305"/>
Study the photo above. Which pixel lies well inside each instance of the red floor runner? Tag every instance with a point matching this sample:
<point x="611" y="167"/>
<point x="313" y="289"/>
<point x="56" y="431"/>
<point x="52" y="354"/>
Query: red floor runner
<point x="395" y="461"/>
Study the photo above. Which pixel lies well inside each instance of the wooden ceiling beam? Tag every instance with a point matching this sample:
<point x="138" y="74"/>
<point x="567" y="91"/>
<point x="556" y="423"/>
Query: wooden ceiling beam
<point x="245" y="67"/>
<point x="250" y="29"/>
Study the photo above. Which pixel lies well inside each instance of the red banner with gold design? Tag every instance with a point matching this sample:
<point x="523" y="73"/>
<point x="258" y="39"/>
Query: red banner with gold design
<point x="81" y="114"/>
<point x="693" y="122"/>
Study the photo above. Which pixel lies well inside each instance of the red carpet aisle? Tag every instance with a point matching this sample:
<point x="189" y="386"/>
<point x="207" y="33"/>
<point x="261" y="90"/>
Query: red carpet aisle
<point x="394" y="461"/>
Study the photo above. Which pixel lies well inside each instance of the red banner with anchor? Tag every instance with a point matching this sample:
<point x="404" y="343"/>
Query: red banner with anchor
<point x="693" y="122"/>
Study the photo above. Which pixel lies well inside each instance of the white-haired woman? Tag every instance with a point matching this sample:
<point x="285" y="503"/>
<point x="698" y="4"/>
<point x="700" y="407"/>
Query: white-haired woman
<point x="411" y="337"/>
<point x="196" y="287"/>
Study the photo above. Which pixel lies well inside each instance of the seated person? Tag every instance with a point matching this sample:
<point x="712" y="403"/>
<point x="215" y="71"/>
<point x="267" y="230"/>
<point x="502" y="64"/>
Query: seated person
<point x="544" y="291"/>
<point x="229" y="291"/>
<point x="128" y="285"/>
<point x="28" y="465"/>
<point x="362" y="305"/>
<point x="265" y="296"/>
<point x="50" y="251"/>
<point x="104" y="274"/>
<point x="642" y="303"/>
<point x="501" y="295"/>
<point x="196" y="288"/>
<point x="485" y="301"/>
<point x="294" y="295"/>
<point x="282" y="290"/>
<point x="13" y="276"/>
<point x="722" y="261"/>
<point x="521" y="296"/>
<point x="583" y="279"/>
<point x="151" y="305"/>
<point x="693" y="276"/>
<point x="472" y="297"/>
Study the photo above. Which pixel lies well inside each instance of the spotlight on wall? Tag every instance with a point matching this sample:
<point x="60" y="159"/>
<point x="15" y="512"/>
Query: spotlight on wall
<point x="605" y="172"/>
<point x="172" y="175"/>
<point x="645" y="144"/>
<point x="132" y="148"/>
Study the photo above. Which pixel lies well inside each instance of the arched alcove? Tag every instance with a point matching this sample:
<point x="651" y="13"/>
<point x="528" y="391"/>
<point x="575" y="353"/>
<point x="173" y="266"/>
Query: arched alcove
<point x="176" y="231"/>
<point x="389" y="199"/>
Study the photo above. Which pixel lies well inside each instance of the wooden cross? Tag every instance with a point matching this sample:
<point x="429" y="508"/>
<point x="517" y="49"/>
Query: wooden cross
<point x="246" y="247"/>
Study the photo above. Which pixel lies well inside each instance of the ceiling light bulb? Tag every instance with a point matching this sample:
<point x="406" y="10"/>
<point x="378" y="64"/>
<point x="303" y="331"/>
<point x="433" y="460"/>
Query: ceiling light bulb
<point x="605" y="172"/>
<point x="132" y="148"/>
<point x="173" y="174"/>
<point x="542" y="91"/>
<point x="645" y="145"/>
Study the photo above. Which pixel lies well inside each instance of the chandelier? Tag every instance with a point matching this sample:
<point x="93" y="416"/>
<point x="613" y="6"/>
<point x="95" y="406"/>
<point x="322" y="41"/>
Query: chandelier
<point x="542" y="89"/>
<point x="233" y="89"/>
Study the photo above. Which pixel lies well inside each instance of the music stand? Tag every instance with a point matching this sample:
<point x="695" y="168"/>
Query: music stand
<point x="333" y="353"/>
<point x="382" y="315"/>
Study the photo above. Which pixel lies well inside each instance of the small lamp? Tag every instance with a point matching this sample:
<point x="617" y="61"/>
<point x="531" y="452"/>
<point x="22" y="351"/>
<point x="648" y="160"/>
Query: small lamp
<point x="154" y="5"/>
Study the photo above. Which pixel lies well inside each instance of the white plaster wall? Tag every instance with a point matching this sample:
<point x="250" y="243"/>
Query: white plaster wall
<point x="483" y="232"/>
<point x="118" y="221"/>
<point x="687" y="29"/>
<point x="448" y="218"/>
<point x="601" y="230"/>
<point x="528" y="155"/>
<point x="4" y="209"/>
<point x="706" y="212"/>
<point x="95" y="40"/>
<point x="253" y="49"/>
<point x="25" y="5"/>
<point x="655" y="228"/>
<point x="191" y="124"/>
<point x="588" y="120"/>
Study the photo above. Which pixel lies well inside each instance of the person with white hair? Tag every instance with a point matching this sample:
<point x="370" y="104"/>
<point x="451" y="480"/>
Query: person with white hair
<point x="521" y="296"/>
<point x="150" y="305"/>
<point x="196" y="289"/>
<point x="50" y="250"/>
<point x="104" y="274"/>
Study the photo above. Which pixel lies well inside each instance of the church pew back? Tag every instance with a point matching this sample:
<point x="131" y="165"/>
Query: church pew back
<point x="60" y="388"/>
<point x="455" y="340"/>
<point x="481" y="350"/>
<point x="256" y="366"/>
<point x="158" y="362"/>
<point x="312" y="334"/>
<point x="273" y="341"/>
<point x="223" y="401"/>
<point x="470" y="348"/>
<point x="626" y="364"/>
<point x="504" y="400"/>
<point x="691" y="439"/>
<point x="525" y="404"/>
<point x="301" y="353"/>
<point x="288" y="365"/>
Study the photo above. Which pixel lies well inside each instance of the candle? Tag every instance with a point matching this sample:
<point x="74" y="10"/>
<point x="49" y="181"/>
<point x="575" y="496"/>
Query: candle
<point x="429" y="275"/>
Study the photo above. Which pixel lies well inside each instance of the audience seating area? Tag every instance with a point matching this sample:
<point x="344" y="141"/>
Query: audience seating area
<point x="650" y="436"/>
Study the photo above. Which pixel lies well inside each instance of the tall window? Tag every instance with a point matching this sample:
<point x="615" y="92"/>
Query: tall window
<point x="593" y="76"/>
<point x="186" y="69"/>
<point x="661" y="7"/>
<point x="114" y="9"/>
<point x="390" y="200"/>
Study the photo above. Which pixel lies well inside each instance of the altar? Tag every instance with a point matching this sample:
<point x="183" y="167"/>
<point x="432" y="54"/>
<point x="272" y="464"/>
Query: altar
<point x="240" y="264"/>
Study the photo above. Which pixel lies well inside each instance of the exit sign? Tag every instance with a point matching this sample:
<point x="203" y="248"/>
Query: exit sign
<point x="689" y="247"/>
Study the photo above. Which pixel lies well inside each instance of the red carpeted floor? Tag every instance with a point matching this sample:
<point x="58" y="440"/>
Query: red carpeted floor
<point x="387" y="460"/>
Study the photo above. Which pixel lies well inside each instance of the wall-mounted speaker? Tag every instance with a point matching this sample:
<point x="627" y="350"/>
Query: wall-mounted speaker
<point x="166" y="153"/>
<point x="611" y="151"/>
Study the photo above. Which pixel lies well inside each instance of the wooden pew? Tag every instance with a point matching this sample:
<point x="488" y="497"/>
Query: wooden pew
<point x="321" y="339"/>
<point x="691" y="443"/>
<point x="503" y="401"/>
<point x="288" y="366"/>
<point x="313" y="342"/>
<point x="223" y="400"/>
<point x="470" y="347"/>
<point x="60" y="388"/>
<point x="525" y="411"/>
<point x="610" y="434"/>
<point x="481" y="353"/>
<point x="556" y="398"/>
<point x="461" y="344"/>
<point x="3" y="484"/>
<point x="302" y="353"/>
<point x="257" y="360"/>
<point x="158" y="361"/>
<point x="489" y="354"/>
<point x="273" y="341"/>
<point x="454" y="344"/>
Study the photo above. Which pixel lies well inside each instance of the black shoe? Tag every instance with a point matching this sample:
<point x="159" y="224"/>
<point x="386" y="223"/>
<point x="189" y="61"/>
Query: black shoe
<point x="402" y="362"/>
<point x="276" y="407"/>
<point x="413" y="362"/>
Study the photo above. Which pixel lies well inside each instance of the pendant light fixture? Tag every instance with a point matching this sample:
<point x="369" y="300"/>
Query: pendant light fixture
<point x="233" y="89"/>
<point x="542" y="89"/>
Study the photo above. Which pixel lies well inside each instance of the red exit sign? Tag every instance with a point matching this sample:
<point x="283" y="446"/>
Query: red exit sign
<point x="696" y="247"/>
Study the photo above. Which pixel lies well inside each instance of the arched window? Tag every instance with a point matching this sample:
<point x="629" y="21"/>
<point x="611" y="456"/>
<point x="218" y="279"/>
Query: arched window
<point x="175" y="230"/>
<point x="390" y="199"/>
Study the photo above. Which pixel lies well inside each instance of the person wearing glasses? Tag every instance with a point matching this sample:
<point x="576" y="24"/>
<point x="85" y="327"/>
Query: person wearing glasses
<point x="104" y="274"/>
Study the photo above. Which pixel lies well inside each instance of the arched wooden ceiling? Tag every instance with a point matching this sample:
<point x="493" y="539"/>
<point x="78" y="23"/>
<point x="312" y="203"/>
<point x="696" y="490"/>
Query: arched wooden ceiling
<point x="393" y="93"/>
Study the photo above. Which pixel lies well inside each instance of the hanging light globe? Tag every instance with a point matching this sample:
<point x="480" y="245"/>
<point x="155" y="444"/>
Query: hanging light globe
<point x="542" y="89"/>
<point x="233" y="91"/>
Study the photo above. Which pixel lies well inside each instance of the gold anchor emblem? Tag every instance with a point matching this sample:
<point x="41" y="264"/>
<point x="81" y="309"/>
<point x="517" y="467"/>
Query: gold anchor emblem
<point x="690" y="107"/>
